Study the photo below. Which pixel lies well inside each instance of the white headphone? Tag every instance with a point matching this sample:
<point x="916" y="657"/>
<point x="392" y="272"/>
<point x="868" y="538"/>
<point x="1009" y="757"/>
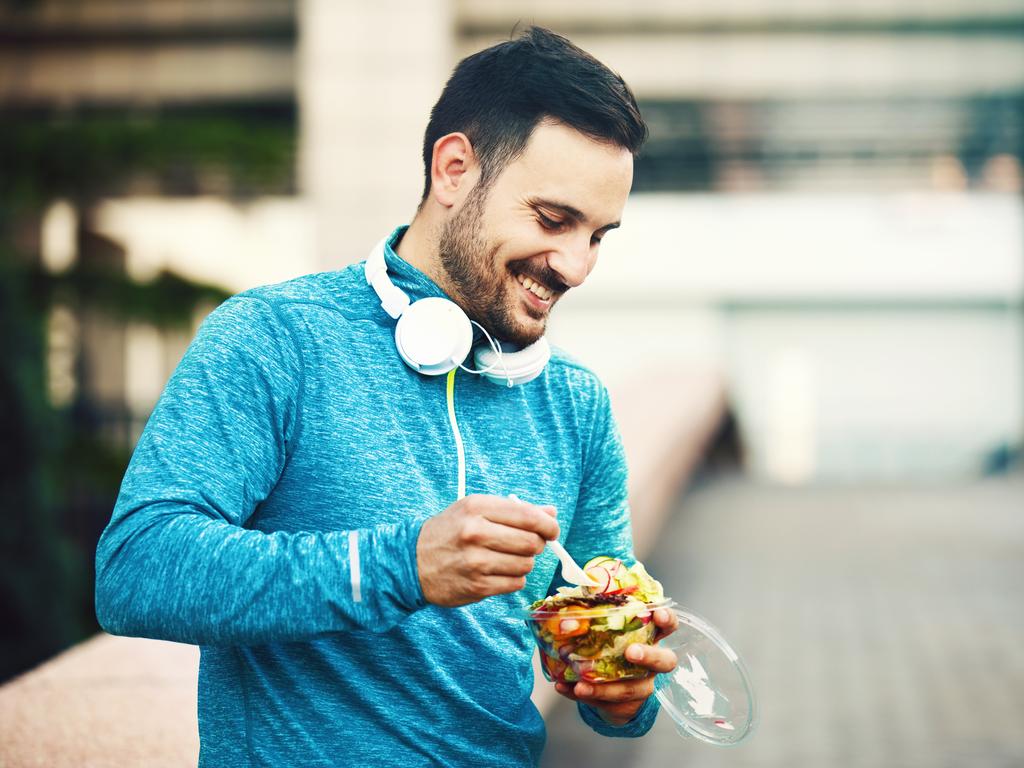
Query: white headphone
<point x="434" y="335"/>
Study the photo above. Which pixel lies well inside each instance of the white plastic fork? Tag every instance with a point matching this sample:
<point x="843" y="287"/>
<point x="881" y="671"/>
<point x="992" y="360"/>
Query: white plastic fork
<point x="571" y="572"/>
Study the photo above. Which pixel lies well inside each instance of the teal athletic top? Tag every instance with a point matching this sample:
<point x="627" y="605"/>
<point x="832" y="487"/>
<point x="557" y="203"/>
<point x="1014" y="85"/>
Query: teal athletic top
<point x="270" y="514"/>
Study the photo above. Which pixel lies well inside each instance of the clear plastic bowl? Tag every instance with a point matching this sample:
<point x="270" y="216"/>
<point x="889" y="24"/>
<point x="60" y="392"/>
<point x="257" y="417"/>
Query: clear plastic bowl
<point x="589" y="643"/>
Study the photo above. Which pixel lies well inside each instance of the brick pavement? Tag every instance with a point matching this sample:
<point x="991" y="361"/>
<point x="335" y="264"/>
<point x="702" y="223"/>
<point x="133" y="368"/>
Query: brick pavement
<point x="882" y="626"/>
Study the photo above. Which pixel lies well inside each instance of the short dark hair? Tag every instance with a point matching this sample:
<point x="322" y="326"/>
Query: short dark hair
<point x="498" y="96"/>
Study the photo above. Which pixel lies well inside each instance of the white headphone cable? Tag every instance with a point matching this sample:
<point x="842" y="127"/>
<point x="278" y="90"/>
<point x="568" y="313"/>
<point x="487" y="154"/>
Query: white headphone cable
<point x="460" y="451"/>
<point x="497" y="351"/>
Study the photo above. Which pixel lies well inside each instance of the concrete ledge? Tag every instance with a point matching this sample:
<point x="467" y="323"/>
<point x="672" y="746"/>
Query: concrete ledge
<point x="109" y="701"/>
<point x="114" y="701"/>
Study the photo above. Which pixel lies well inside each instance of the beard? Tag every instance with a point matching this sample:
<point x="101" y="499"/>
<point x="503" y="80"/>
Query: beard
<point x="482" y="288"/>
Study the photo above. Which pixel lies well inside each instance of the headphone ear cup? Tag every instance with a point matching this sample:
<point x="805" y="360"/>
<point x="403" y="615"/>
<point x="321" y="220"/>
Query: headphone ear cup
<point x="516" y="366"/>
<point x="433" y="336"/>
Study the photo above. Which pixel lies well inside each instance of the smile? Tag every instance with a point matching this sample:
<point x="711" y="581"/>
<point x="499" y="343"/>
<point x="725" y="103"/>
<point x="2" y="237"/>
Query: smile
<point x="535" y="288"/>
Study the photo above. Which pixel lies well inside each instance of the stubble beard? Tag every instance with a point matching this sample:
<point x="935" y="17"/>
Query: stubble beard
<point x="476" y="283"/>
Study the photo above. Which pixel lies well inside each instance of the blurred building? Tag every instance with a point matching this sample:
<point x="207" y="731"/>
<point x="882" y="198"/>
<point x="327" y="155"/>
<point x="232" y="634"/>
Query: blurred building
<point x="829" y="209"/>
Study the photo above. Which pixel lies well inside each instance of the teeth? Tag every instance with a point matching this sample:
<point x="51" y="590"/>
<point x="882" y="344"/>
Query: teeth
<point x="536" y="288"/>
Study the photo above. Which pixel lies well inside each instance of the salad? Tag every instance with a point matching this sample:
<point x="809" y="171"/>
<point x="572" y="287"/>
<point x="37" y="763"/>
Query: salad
<point x="583" y="632"/>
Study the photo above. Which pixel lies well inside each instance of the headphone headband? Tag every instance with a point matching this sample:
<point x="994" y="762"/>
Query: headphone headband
<point x="392" y="298"/>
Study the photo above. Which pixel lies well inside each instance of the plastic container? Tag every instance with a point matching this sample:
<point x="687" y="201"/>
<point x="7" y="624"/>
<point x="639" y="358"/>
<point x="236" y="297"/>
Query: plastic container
<point x="589" y="643"/>
<point x="708" y="695"/>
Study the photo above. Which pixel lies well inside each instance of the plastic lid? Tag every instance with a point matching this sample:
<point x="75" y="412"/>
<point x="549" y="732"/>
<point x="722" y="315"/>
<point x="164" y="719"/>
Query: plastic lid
<point x="708" y="694"/>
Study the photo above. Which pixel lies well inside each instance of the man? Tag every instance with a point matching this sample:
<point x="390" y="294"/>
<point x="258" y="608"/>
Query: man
<point x="352" y="541"/>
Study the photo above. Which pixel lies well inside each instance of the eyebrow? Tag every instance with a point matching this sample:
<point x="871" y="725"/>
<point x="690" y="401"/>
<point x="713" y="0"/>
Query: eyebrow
<point x="571" y="212"/>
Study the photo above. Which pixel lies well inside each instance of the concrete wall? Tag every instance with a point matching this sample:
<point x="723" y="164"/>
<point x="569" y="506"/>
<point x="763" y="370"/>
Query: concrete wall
<point x="369" y="74"/>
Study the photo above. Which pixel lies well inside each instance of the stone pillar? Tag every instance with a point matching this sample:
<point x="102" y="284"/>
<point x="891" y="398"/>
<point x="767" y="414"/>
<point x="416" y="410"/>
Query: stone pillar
<point x="368" y="75"/>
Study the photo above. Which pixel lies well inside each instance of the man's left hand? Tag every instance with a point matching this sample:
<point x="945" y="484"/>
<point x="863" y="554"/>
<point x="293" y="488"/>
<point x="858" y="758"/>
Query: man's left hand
<point x="618" y="702"/>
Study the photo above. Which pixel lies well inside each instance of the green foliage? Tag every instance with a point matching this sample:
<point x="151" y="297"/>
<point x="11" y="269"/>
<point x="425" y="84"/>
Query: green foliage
<point x="40" y="588"/>
<point x="166" y="301"/>
<point x="86" y="157"/>
<point x="58" y="475"/>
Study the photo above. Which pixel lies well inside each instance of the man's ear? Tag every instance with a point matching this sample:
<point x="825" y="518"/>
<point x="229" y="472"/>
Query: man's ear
<point x="453" y="169"/>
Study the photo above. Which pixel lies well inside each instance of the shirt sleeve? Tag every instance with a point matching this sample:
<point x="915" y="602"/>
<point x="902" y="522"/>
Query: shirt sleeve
<point x="601" y="526"/>
<point x="177" y="560"/>
<point x="601" y="523"/>
<point x="641" y="723"/>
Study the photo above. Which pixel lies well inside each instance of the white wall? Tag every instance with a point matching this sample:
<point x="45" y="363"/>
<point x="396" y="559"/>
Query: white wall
<point x="863" y="337"/>
<point x="212" y="240"/>
<point x="721" y="247"/>
<point x="883" y="394"/>
<point x="369" y="75"/>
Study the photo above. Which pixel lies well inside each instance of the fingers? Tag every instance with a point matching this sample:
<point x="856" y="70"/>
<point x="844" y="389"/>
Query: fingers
<point x="666" y="621"/>
<point x="501" y="538"/>
<point x="652" y="657"/>
<point x="566" y="690"/>
<point x="621" y="691"/>
<point x="520" y="515"/>
<point x="489" y="563"/>
<point x="498" y="585"/>
<point x="481" y="546"/>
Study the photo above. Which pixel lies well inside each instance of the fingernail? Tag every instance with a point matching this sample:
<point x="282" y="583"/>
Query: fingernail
<point x="550" y="510"/>
<point x="635" y="653"/>
<point x="582" y="689"/>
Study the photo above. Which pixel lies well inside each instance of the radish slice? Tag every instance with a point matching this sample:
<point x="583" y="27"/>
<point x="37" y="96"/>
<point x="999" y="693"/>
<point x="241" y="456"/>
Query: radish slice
<point x="601" y="575"/>
<point x="585" y="669"/>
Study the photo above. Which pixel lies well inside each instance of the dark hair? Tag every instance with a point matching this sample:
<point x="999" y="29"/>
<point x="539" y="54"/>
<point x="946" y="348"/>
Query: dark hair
<point x="499" y="95"/>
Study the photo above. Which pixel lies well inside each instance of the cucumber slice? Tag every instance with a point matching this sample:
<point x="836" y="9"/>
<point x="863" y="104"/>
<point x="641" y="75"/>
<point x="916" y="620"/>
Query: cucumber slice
<point x="599" y="560"/>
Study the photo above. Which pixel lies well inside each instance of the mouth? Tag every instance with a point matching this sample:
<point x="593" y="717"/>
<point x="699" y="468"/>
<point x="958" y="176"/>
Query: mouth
<point x="537" y="295"/>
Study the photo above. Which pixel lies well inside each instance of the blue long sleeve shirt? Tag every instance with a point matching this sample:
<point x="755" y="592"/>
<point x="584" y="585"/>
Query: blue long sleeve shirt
<point x="270" y="514"/>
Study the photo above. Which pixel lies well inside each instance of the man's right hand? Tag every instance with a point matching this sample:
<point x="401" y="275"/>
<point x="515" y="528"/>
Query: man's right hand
<point x="481" y="546"/>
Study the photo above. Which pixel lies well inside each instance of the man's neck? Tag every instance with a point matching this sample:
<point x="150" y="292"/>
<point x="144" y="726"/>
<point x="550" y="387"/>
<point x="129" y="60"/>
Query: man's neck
<point x="418" y="248"/>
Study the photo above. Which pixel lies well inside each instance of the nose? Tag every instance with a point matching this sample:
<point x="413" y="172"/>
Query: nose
<point x="573" y="261"/>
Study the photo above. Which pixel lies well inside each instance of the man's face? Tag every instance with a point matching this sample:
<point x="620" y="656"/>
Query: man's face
<point x="538" y="224"/>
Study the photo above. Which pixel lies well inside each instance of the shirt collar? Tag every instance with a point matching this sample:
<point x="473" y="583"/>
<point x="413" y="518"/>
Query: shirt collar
<point x="404" y="275"/>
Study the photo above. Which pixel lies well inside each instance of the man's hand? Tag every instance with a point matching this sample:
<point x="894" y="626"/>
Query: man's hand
<point x="481" y="546"/>
<point x="618" y="702"/>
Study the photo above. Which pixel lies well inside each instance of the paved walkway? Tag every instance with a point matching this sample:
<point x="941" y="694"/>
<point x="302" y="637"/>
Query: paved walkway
<point x="882" y="627"/>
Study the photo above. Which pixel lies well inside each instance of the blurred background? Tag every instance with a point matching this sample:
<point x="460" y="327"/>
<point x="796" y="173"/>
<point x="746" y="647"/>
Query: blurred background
<point x="827" y="221"/>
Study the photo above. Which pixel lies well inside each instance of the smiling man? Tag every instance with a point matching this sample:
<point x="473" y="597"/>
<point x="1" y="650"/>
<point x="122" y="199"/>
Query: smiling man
<point x="342" y="513"/>
<point x="507" y="249"/>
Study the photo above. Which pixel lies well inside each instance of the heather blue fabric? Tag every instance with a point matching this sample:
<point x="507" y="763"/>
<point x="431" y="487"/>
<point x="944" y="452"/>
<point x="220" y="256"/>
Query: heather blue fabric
<point x="292" y="421"/>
